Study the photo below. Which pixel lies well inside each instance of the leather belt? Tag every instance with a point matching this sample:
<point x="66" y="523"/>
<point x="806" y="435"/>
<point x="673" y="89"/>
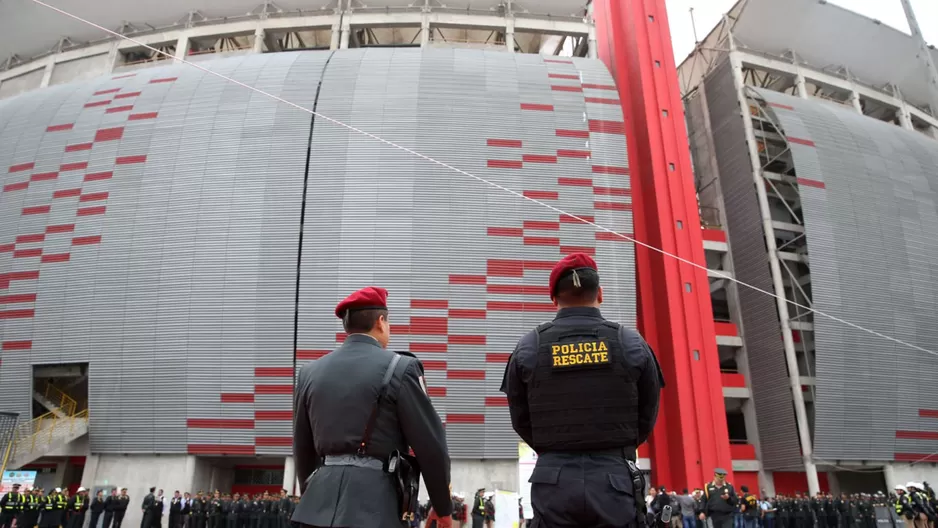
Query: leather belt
<point x="627" y="453"/>
<point x="354" y="460"/>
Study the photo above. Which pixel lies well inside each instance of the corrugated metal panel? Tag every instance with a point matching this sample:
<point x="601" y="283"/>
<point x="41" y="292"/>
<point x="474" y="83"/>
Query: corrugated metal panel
<point x="871" y="233"/>
<point x="770" y="391"/>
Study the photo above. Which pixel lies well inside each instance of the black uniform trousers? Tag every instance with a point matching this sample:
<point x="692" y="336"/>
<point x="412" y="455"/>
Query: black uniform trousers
<point x="573" y="490"/>
<point x="6" y="518"/>
<point x="94" y="519"/>
<point x="722" y="520"/>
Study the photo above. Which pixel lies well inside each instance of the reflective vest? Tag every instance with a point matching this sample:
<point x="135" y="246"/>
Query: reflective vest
<point x="32" y="502"/>
<point x="582" y="396"/>
<point x="49" y="502"/>
<point x="13" y="500"/>
<point x="78" y="503"/>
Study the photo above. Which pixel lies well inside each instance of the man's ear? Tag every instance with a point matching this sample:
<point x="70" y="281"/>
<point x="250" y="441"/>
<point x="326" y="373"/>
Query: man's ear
<point x="599" y="297"/>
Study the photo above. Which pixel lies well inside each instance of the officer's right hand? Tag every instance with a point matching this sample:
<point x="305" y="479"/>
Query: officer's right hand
<point x="702" y="516"/>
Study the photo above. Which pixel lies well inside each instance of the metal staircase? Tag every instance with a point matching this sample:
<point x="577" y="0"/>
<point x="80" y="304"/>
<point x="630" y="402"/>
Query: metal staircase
<point x="63" y="423"/>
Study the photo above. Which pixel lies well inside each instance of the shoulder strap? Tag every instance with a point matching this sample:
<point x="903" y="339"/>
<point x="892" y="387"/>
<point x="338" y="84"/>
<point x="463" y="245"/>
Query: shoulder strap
<point x="363" y="446"/>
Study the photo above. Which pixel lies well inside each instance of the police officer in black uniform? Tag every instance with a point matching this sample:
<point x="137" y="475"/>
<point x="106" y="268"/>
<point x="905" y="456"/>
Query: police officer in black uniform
<point x="583" y="392"/>
<point x="344" y="482"/>
<point x="719" y="500"/>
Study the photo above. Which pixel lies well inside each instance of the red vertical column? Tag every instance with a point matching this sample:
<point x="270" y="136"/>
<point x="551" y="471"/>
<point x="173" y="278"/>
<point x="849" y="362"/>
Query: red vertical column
<point x="674" y="310"/>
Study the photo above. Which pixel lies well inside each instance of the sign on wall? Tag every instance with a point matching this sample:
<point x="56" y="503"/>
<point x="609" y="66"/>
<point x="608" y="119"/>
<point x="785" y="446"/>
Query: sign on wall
<point x="26" y="480"/>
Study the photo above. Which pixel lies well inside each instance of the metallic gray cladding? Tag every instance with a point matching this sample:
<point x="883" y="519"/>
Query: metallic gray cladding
<point x="376" y="215"/>
<point x="872" y="235"/>
<point x="771" y="395"/>
<point x="185" y="308"/>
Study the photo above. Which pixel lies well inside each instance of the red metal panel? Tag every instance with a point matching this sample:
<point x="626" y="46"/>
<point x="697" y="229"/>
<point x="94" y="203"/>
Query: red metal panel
<point x="750" y="479"/>
<point x="733" y="379"/>
<point x="691" y="436"/>
<point x="790" y="482"/>
<point x="743" y="452"/>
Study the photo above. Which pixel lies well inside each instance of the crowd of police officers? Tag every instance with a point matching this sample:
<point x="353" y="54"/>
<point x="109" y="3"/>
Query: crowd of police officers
<point x="58" y="509"/>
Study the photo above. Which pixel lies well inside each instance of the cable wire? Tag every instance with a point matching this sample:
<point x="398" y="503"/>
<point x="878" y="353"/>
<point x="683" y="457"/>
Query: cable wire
<point x="485" y="181"/>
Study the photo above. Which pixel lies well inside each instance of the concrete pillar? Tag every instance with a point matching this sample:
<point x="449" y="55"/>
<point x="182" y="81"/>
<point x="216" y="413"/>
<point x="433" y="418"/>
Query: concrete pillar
<point x="289" y="475"/>
<point x="933" y="132"/>
<point x="182" y="46"/>
<point x="801" y="86"/>
<point x="113" y="55"/>
<point x="60" y="468"/>
<point x="336" y="32"/>
<point x="89" y="474"/>
<point x="425" y="30"/>
<point x="259" y="36"/>
<point x="905" y="117"/>
<point x="592" y="42"/>
<point x="510" y="35"/>
<point x="346" y="32"/>
<point x="855" y="101"/>
<point x="47" y="74"/>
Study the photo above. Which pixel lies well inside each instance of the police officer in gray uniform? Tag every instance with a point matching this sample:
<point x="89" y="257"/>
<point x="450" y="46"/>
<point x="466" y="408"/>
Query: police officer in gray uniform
<point x="583" y="393"/>
<point x="343" y="482"/>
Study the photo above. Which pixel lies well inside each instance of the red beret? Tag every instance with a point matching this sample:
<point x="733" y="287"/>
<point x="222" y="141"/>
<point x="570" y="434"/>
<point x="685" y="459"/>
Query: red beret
<point x="369" y="298"/>
<point x="567" y="264"/>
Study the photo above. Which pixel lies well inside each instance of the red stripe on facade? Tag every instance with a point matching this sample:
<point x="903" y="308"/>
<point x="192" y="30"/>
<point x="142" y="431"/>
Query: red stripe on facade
<point x="497" y="357"/>
<point x="428" y="326"/>
<point x="429" y="304"/>
<point x="428" y="347"/>
<point x="541" y="241"/>
<point x="17" y="345"/>
<point x="563" y="76"/>
<point x="22" y="167"/>
<point x="59" y="128"/>
<point x="90" y="211"/>
<point x="725" y="328"/>
<point x="273" y="441"/>
<point x="546" y="226"/>
<point x="273" y="372"/>
<point x="465" y="418"/>
<point x="583" y="134"/>
<point x="56" y="257"/>
<point x="566" y="250"/>
<point x="66" y="193"/>
<point x="542" y="195"/>
<point x="18" y="298"/>
<point x="466" y="339"/>
<point x="400" y="329"/>
<point x="782" y="106"/>
<point x="79" y="146"/>
<point x="126" y="95"/>
<point x="219" y="449"/>
<point x="467" y="279"/>
<point x="116" y="109"/>
<point x="539" y="107"/>
<point x="235" y="397"/>
<point x="39" y="209"/>
<point x="273" y="416"/>
<point x="602" y="169"/>
<point x="20" y="275"/>
<point x="512" y="306"/>
<point x="592" y="86"/>
<point x="607" y="127"/>
<point x="79" y="165"/>
<point x="7" y="248"/>
<point x="917" y="435"/>
<point x="916" y="457"/>
<point x="496" y="401"/>
<point x="811" y="183"/>
<point x="602" y="100"/>
<point x="800" y="141"/>
<point x="508" y="143"/>
<point x="93" y="197"/>
<point x="928" y="413"/>
<point x="505" y="268"/>
<point x="612" y="191"/>
<point x="26" y="239"/>
<point x="108" y="91"/>
<point x="561" y="88"/>
<point x="273" y="389"/>
<point x="340" y="337"/>
<point x="465" y="313"/>
<point x="219" y="423"/>
<point x="61" y="228"/>
<point x="97" y="176"/>
<point x="613" y="237"/>
<point x="436" y="392"/>
<point x="465" y="374"/>
<point x="98" y="103"/>
<point x="311" y="354"/>
<point x="538" y="158"/>
<point x="505" y="164"/>
<point x="163" y="80"/>
<point x="612" y="206"/>
<point x="434" y="365"/>
<point x="16" y="314"/>
<point x="44" y="176"/>
<point x="142" y="116"/>
<point x="19" y="186"/>
<point x="27" y="253"/>
<point x="517" y="289"/>
<point x="578" y="219"/>
<point x="585" y="154"/>
<point x="506" y="231"/>
<point x="126" y="160"/>
<point x="713" y="235"/>
<point x="109" y="134"/>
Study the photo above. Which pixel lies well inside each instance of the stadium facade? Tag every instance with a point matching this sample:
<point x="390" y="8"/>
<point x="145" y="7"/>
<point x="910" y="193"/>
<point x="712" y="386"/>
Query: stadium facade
<point x="173" y="244"/>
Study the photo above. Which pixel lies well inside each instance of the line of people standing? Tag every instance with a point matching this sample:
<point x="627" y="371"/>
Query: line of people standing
<point x="57" y="510"/>
<point x="218" y="510"/>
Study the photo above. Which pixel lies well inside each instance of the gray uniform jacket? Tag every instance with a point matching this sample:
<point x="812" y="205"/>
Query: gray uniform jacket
<point x="334" y="397"/>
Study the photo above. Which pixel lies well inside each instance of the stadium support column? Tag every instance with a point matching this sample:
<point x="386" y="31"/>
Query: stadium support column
<point x="259" y="36"/>
<point x="510" y="34"/>
<point x="47" y="72"/>
<point x="289" y="475"/>
<point x="674" y="310"/>
<point x="592" y="45"/>
<point x="801" y="413"/>
<point x="182" y="46"/>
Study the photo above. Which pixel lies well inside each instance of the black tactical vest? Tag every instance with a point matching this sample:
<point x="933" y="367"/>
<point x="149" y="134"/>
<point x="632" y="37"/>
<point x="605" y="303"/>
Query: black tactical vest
<point x="582" y="396"/>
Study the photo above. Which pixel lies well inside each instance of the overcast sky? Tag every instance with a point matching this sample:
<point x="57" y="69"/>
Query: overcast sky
<point x="707" y="13"/>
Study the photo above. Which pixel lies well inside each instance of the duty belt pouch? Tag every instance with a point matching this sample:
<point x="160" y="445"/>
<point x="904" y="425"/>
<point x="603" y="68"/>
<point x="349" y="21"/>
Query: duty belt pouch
<point x="403" y="468"/>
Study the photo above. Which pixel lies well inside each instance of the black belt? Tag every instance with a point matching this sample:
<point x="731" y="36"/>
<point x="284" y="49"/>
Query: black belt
<point x="354" y="460"/>
<point x="627" y="453"/>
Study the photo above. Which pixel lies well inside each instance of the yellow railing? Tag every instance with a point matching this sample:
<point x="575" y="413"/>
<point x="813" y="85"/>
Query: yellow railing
<point x="63" y="401"/>
<point x="38" y="434"/>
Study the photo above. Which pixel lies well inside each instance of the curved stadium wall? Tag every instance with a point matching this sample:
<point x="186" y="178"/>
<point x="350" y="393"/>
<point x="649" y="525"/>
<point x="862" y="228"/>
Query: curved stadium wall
<point x="188" y="238"/>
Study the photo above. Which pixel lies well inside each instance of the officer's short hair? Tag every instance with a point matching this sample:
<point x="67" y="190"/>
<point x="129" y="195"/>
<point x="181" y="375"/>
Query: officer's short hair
<point x="586" y="292"/>
<point x="362" y="321"/>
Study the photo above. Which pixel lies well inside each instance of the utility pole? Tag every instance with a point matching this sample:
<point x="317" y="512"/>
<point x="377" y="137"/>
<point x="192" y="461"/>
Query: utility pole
<point x="931" y="74"/>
